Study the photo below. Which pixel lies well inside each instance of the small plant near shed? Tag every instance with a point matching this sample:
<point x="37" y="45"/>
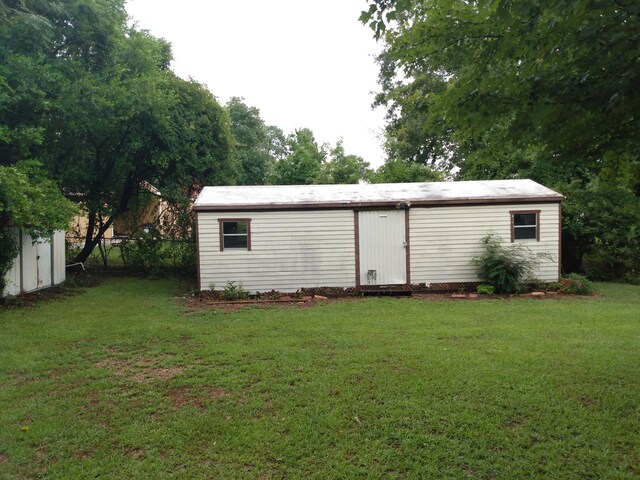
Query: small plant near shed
<point x="485" y="289"/>
<point x="576" y="284"/>
<point x="506" y="269"/>
<point x="234" y="291"/>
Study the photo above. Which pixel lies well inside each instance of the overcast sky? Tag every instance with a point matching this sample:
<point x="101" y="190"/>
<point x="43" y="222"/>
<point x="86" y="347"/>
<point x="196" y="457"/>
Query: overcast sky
<point x="302" y="63"/>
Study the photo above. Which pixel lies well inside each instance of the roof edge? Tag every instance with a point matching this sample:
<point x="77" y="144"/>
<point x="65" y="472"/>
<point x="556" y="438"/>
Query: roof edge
<point x="381" y="204"/>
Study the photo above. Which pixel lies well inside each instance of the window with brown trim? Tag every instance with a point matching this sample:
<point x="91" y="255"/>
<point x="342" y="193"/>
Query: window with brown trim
<point x="235" y="233"/>
<point x="525" y="225"/>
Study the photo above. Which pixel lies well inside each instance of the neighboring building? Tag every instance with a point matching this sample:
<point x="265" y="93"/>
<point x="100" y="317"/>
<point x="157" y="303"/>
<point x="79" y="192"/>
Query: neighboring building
<point x="40" y="264"/>
<point x="148" y="210"/>
<point x="368" y="236"/>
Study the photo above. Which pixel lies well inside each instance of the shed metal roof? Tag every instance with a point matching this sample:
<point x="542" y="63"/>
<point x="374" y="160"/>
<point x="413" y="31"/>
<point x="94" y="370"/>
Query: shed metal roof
<point x="276" y="197"/>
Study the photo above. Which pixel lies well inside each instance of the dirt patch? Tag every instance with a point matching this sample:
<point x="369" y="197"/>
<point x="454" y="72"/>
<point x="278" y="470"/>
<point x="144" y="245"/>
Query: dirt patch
<point x="3" y="459"/>
<point x="182" y="397"/>
<point x="119" y="365"/>
<point x="134" y="452"/>
<point x="22" y="378"/>
<point x="218" y="393"/>
<point x="145" y="376"/>
<point x="138" y="368"/>
<point x="204" y="303"/>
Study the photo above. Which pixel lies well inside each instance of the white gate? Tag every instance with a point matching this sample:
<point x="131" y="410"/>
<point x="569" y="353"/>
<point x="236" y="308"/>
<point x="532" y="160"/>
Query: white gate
<point x="382" y="247"/>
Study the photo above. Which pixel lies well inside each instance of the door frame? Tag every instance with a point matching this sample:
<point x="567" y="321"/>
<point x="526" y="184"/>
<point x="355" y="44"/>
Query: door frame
<point x="407" y="239"/>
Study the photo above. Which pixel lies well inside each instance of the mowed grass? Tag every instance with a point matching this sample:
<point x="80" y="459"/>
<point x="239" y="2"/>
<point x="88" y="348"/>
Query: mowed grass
<point x="120" y="382"/>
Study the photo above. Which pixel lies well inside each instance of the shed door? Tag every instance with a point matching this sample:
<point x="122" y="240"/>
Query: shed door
<point x="382" y="247"/>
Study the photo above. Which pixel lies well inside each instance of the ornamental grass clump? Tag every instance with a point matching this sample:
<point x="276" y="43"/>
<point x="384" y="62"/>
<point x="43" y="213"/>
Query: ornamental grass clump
<point x="506" y="269"/>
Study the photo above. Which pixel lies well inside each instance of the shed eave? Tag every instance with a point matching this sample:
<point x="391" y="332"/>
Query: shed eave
<point x="378" y="204"/>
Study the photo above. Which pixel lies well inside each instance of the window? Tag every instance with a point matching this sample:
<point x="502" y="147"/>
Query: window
<point x="235" y="233"/>
<point x="525" y="225"/>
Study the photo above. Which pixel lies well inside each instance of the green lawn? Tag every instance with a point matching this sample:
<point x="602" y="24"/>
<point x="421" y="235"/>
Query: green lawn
<point x="119" y="382"/>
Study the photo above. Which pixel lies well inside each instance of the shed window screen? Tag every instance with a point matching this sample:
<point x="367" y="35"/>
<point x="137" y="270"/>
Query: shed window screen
<point x="235" y="234"/>
<point x="525" y="226"/>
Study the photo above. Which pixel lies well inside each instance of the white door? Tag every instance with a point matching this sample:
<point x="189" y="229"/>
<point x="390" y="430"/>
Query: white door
<point x="382" y="247"/>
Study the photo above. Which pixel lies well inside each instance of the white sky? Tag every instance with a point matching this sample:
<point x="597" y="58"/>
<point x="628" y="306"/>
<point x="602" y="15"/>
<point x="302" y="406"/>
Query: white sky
<point x="302" y="63"/>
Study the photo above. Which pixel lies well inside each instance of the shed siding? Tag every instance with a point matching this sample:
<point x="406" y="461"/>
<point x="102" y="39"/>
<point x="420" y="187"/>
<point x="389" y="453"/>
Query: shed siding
<point x="444" y="240"/>
<point x="59" y="257"/>
<point x="289" y="250"/>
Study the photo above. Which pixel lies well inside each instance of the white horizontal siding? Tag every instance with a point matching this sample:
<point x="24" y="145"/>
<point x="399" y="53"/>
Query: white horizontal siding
<point x="444" y="240"/>
<point x="289" y="251"/>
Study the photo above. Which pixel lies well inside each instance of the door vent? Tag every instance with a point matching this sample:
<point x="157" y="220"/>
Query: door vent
<point x="371" y="277"/>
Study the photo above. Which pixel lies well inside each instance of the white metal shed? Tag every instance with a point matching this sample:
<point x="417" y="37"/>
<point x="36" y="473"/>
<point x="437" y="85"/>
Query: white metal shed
<point x="40" y="263"/>
<point x="368" y="236"/>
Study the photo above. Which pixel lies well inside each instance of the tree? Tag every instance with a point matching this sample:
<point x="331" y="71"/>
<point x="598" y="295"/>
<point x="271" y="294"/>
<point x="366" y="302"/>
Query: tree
<point x="342" y="168"/>
<point x="250" y="136"/>
<point x="560" y="76"/>
<point x="96" y="102"/>
<point x="303" y="161"/>
<point x="400" y="171"/>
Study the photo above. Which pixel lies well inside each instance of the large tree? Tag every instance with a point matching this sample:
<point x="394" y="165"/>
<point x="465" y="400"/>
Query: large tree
<point x="302" y="162"/>
<point x="343" y="168"/>
<point x="250" y="136"/>
<point x="488" y="77"/>
<point x="96" y="102"/>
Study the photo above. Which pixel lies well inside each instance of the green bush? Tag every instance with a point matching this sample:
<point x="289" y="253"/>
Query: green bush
<point x="577" y="284"/>
<point x="143" y="252"/>
<point x="506" y="269"/>
<point x="9" y="249"/>
<point x="485" y="290"/>
<point x="234" y="291"/>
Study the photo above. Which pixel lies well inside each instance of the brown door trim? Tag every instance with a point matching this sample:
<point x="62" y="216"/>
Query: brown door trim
<point x="356" y="232"/>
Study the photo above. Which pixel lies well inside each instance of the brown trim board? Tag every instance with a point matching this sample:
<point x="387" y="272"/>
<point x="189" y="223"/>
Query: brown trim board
<point x="407" y="241"/>
<point x="198" y="253"/>
<point x="356" y="231"/>
<point x="375" y="205"/>
<point x="559" y="241"/>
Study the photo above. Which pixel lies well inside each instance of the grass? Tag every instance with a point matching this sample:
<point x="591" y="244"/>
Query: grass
<point x="120" y="382"/>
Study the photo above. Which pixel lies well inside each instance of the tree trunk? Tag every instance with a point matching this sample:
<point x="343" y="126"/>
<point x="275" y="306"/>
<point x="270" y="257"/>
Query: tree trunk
<point x="91" y="240"/>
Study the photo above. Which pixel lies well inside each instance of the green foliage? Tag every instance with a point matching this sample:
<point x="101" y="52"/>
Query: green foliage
<point x="143" y="252"/>
<point x="94" y="100"/>
<point x="9" y="249"/>
<point x="601" y="230"/>
<point x="234" y="291"/>
<point x="303" y="161"/>
<point x="555" y="74"/>
<point x="577" y="284"/>
<point x="342" y="168"/>
<point x="29" y="200"/>
<point x="506" y="269"/>
<point x="400" y="171"/>
<point x="250" y="135"/>
<point x="485" y="289"/>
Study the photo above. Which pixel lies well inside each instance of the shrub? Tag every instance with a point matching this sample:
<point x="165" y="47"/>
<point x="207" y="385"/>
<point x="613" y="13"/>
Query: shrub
<point x="143" y="252"/>
<point x="234" y="291"/>
<point x="577" y="284"/>
<point x="485" y="290"/>
<point x="506" y="269"/>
